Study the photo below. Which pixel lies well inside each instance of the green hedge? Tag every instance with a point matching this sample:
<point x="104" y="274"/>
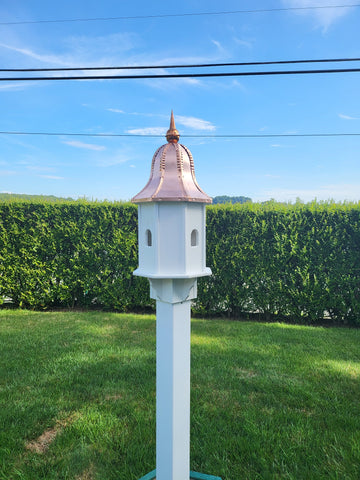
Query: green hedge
<point x="298" y="261"/>
<point x="70" y="254"/>
<point x="293" y="261"/>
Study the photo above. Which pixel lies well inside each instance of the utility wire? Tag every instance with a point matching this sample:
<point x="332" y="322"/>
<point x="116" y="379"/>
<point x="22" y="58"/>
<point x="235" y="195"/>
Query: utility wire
<point x="197" y="65"/>
<point x="263" y="135"/>
<point x="168" y="15"/>
<point x="183" y="75"/>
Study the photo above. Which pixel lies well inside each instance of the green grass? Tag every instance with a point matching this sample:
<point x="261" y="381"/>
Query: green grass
<point x="269" y="401"/>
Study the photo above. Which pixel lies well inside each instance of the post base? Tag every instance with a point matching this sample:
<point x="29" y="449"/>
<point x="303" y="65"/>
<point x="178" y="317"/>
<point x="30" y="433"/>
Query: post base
<point x="193" y="476"/>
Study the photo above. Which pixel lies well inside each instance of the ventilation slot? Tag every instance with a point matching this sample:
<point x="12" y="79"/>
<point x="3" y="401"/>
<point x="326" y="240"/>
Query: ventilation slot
<point x="148" y="238"/>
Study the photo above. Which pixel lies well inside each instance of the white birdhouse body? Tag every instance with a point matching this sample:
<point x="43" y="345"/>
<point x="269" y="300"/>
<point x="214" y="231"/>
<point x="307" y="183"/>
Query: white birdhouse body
<point x="172" y="240"/>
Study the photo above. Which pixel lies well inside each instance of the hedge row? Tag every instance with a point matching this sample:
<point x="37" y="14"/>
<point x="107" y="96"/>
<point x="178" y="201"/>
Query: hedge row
<point x="297" y="261"/>
<point x="70" y="254"/>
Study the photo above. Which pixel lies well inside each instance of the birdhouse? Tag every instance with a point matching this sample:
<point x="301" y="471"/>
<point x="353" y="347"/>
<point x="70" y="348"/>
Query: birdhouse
<point x="171" y="213"/>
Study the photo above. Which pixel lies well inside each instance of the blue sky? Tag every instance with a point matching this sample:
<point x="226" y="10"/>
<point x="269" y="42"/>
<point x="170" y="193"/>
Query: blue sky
<point x="116" y="168"/>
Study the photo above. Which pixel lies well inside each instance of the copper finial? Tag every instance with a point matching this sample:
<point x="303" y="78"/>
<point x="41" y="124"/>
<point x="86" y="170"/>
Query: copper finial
<point x="172" y="135"/>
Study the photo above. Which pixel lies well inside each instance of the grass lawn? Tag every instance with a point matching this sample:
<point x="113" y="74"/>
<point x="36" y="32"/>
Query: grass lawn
<point x="269" y="401"/>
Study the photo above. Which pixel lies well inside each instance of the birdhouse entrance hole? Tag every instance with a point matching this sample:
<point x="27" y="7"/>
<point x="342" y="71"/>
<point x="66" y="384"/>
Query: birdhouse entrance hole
<point x="148" y="238"/>
<point x="194" y="238"/>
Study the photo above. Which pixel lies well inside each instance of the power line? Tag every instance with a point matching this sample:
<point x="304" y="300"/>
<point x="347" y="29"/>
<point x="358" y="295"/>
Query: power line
<point x="198" y="65"/>
<point x="263" y="135"/>
<point x="183" y="75"/>
<point x="168" y="15"/>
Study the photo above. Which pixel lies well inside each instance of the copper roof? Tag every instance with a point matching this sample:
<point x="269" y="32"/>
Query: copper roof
<point x="172" y="176"/>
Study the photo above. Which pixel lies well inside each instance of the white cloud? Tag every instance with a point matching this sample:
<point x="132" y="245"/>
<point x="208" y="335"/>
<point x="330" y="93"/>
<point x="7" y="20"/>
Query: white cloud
<point x="227" y="85"/>
<point x="217" y="44"/>
<point x="187" y="81"/>
<point x="51" y="177"/>
<point x="172" y="84"/>
<point x="221" y="50"/>
<point x="115" y="159"/>
<point x="337" y="192"/>
<point x="195" y="123"/>
<point x="105" y="45"/>
<point x="243" y="43"/>
<point x="58" y="60"/>
<point x="81" y="50"/>
<point x="39" y="168"/>
<point x="13" y="86"/>
<point x="324" y="17"/>
<point x="347" y="117"/>
<point x="114" y="49"/>
<point x="141" y="114"/>
<point x="115" y="110"/>
<point x="148" y="131"/>
<point x="190" y="122"/>
<point x="235" y="83"/>
<point x="87" y="146"/>
<point x="188" y="60"/>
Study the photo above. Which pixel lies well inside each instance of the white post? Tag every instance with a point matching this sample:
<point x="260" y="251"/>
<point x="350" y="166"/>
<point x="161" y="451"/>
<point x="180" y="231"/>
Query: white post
<point x="172" y="390"/>
<point x="173" y="312"/>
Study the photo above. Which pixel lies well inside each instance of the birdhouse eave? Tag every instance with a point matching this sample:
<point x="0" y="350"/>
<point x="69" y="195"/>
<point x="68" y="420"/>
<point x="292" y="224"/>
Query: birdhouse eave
<point x="140" y="200"/>
<point x="141" y="273"/>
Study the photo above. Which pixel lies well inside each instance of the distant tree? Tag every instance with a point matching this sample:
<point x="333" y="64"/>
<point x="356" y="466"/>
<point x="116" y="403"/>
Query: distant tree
<point x="13" y="197"/>
<point x="227" y="199"/>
